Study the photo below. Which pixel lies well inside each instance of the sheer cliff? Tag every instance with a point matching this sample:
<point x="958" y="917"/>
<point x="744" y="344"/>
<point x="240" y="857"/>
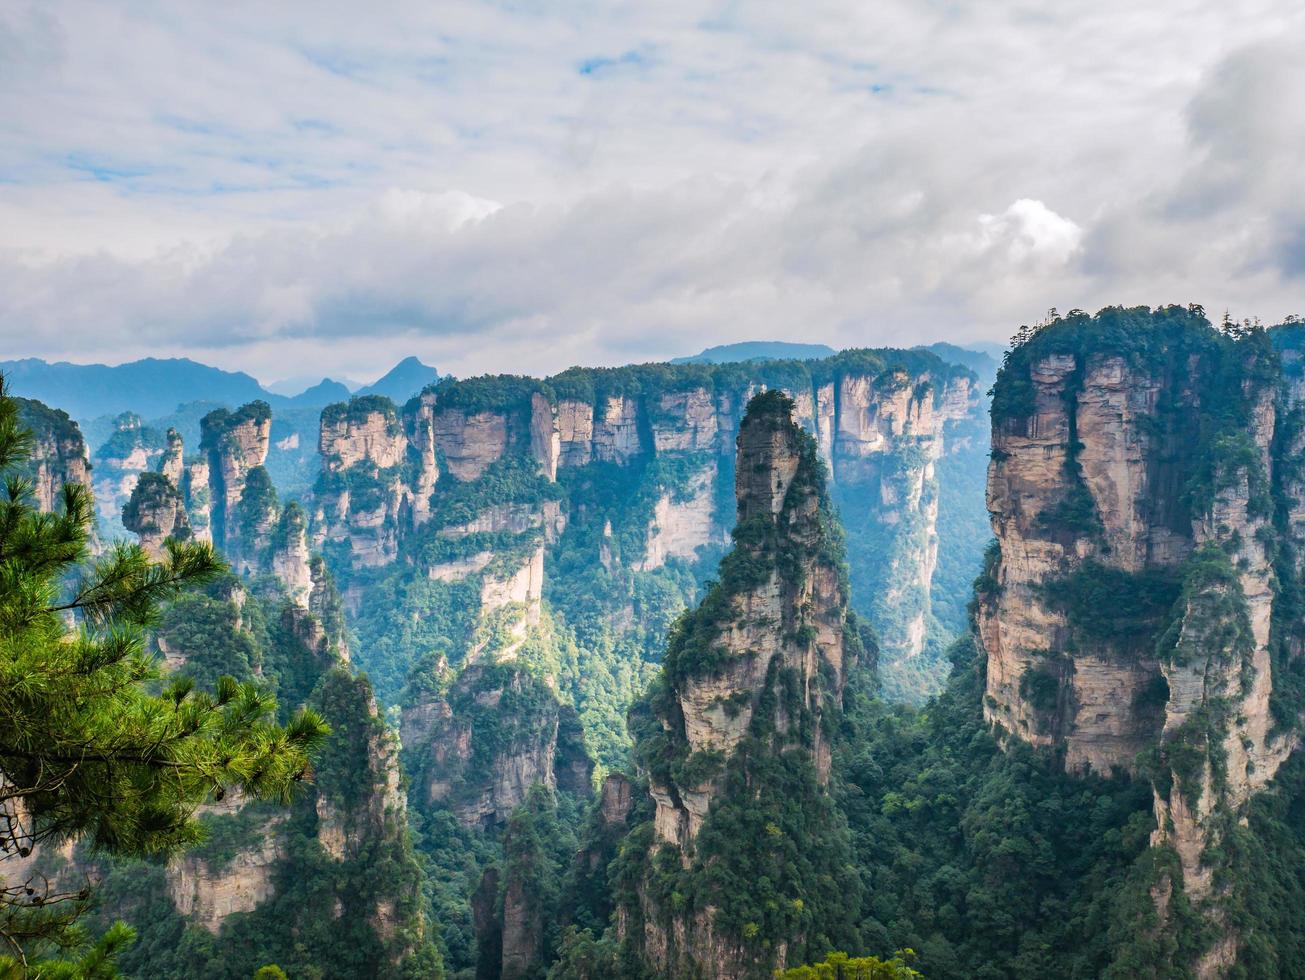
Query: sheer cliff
<point x="58" y="452"/>
<point x="329" y="885"/>
<point x="735" y="735"/>
<point x="630" y="470"/>
<point x="1135" y="608"/>
<point x="514" y="551"/>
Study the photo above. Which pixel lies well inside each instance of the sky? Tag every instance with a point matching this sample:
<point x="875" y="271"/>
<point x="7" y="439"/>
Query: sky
<point x="321" y="188"/>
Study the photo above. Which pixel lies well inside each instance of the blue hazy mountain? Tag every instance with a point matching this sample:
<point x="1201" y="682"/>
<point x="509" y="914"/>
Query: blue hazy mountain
<point x="325" y="392"/>
<point x="150" y="387"/>
<point x="402" y="381"/>
<point x="977" y="358"/>
<point x="155" y="387"/>
<point x="753" y="350"/>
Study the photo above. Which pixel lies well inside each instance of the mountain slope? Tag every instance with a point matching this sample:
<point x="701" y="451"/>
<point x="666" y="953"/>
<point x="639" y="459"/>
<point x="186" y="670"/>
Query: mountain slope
<point x="756" y="350"/>
<point x="402" y="381"/>
<point x="148" y="387"/>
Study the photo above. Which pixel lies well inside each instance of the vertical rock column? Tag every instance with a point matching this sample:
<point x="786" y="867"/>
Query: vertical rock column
<point x="235" y="443"/>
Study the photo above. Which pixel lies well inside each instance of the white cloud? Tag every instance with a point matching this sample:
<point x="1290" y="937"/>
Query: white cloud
<point x="521" y="188"/>
<point x="1030" y="234"/>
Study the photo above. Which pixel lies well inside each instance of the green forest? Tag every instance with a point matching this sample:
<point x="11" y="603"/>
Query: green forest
<point x="467" y="769"/>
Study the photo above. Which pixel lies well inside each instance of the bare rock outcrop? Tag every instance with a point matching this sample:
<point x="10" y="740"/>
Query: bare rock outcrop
<point x="377" y="476"/>
<point x="684" y="521"/>
<point x="761" y="660"/>
<point x="58" y="453"/>
<point x="234" y="444"/>
<point x="209" y="892"/>
<point x="1131" y="603"/>
<point x="155" y="512"/>
<point x="290" y="560"/>
<point x="172" y="463"/>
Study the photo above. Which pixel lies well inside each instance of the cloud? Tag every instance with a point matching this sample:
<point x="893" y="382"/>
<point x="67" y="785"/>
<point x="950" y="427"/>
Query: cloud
<point x="506" y="188"/>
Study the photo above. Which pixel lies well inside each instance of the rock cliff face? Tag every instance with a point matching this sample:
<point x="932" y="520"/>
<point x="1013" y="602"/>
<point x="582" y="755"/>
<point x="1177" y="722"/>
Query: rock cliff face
<point x="684" y="521"/>
<point x="234" y="443"/>
<point x="290" y="560"/>
<point x="173" y="462"/>
<point x="1130" y="607"/>
<point x="198" y="495"/>
<point x="155" y="512"/>
<point x="749" y="676"/>
<point x="372" y="475"/>
<point x="209" y="892"/>
<point x="879" y="419"/>
<point x="500" y="731"/>
<point x="58" y="453"/>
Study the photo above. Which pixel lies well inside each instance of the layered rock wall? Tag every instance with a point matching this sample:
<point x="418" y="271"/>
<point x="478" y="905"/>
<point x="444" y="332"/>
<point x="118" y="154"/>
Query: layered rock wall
<point x="1129" y="612"/>
<point x="58" y="453"/>
<point x="878" y="428"/>
<point x="234" y="443"/>
<point x="773" y="635"/>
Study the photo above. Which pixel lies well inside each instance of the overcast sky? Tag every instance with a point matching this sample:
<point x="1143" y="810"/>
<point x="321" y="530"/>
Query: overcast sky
<point x="321" y="188"/>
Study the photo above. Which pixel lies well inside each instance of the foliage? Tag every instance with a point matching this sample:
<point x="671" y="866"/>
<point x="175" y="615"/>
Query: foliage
<point x="87" y="750"/>
<point x="359" y="409"/>
<point x="1109" y="605"/>
<point x="989" y="864"/>
<point x="487" y="393"/>
<point x="840" y="966"/>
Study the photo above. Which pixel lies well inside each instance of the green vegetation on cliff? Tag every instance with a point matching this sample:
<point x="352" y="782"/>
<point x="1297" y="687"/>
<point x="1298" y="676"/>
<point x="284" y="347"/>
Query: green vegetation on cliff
<point x="90" y="747"/>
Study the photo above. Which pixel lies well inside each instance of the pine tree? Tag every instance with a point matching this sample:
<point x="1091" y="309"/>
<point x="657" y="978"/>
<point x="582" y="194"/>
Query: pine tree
<point x="95" y="744"/>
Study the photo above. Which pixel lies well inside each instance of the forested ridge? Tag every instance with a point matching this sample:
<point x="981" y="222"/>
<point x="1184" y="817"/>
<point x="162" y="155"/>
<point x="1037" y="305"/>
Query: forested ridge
<point x="618" y="732"/>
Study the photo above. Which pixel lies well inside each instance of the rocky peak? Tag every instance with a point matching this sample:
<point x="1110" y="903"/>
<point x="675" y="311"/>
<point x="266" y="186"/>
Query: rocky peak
<point x="768" y="457"/>
<point x="290" y="559"/>
<point x="198" y="495"/>
<point x="58" y="453"/>
<point x="378" y="471"/>
<point x="362" y="429"/>
<point x="748" y="676"/>
<point x="1130" y="605"/>
<point x="172" y="462"/>
<point x="235" y="443"/>
<point x="155" y="512"/>
<point x="779" y="606"/>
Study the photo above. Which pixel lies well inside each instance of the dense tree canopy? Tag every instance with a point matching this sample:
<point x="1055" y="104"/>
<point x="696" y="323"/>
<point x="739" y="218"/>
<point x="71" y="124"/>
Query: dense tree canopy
<point x="94" y="743"/>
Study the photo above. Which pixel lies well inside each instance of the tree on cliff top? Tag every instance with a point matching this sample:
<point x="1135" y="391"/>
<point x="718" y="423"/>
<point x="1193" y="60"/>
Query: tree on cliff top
<point x="87" y="750"/>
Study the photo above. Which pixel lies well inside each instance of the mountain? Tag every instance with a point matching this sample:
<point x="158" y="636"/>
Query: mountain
<point x="755" y="350"/>
<point x="540" y="578"/>
<point x="402" y="381"/>
<point x="324" y="392"/>
<point x="149" y="387"/>
<point x="299" y="383"/>
<point x="340" y="854"/>
<point x="774" y="641"/>
<point x="155" y="387"/>
<point x="980" y="360"/>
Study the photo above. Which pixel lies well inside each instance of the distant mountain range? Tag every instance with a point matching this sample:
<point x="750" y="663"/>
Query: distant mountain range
<point x="756" y="350"/>
<point x="157" y="386"/>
